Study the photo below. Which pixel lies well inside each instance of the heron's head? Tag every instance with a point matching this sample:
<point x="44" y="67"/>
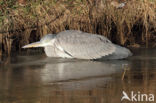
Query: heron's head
<point x="45" y="41"/>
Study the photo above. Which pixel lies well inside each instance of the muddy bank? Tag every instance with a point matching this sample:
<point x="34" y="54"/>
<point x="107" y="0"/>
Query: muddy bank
<point x="22" y="23"/>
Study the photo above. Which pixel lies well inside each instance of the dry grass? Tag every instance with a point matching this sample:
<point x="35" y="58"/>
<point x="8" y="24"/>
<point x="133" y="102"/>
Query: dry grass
<point x="133" y="24"/>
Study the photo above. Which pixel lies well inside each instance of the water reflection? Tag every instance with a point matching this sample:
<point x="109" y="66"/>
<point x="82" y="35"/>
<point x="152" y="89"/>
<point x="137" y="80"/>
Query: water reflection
<point x="37" y="79"/>
<point x="85" y="74"/>
<point x="77" y="70"/>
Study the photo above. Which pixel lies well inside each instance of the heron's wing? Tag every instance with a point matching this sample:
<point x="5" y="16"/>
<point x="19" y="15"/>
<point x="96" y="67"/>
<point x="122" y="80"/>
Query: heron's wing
<point x="84" y="45"/>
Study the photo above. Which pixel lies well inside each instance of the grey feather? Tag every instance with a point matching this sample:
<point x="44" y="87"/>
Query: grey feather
<point x="119" y="53"/>
<point x="84" y="45"/>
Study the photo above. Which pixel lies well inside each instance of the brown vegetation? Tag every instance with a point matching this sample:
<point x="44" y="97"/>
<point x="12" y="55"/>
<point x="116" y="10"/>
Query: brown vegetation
<point x="133" y="24"/>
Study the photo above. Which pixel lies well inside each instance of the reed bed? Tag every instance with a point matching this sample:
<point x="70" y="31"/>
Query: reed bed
<point x="133" y="25"/>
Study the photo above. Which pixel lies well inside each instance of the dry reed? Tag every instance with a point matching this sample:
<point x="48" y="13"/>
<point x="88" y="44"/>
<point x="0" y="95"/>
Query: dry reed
<point x="131" y="25"/>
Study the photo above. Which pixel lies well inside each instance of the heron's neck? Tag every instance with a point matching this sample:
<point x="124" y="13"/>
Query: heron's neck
<point x="50" y="51"/>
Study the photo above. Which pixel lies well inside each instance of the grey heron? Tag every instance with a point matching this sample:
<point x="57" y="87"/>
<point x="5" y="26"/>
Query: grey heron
<point x="80" y="45"/>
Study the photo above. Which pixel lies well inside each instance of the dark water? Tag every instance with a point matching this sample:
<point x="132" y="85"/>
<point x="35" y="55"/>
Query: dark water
<point x="38" y="79"/>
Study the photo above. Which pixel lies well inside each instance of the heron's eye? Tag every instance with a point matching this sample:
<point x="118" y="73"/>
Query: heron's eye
<point x="45" y="40"/>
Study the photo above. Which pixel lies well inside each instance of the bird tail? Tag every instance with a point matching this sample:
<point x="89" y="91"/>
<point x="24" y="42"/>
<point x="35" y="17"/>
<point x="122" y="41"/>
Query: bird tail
<point x="119" y="53"/>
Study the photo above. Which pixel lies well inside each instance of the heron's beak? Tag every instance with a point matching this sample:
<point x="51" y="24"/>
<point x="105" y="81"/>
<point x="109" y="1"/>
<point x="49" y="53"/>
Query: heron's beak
<point x="32" y="45"/>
